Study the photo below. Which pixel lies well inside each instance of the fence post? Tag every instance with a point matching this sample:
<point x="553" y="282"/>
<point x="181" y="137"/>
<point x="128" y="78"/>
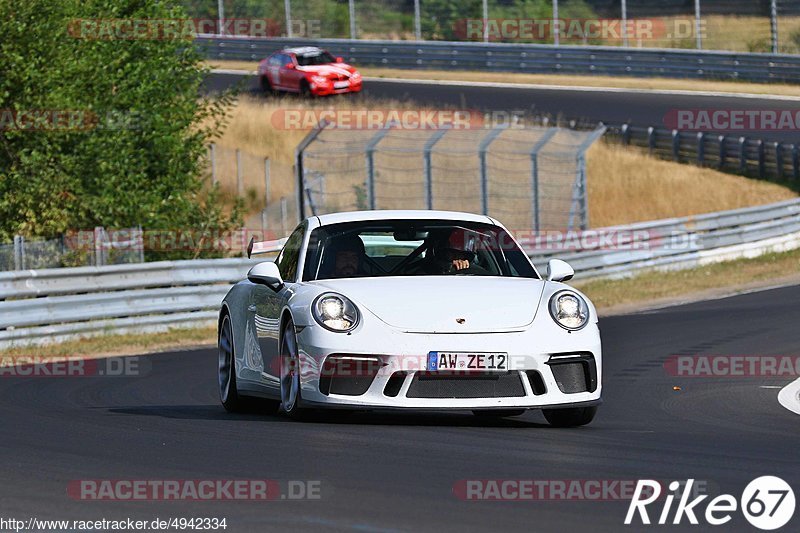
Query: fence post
<point x="773" y="24"/>
<point x="298" y="167"/>
<point x="287" y="8"/>
<point x="701" y="148"/>
<point x="723" y="151"/>
<point x="676" y="145"/>
<point x="535" y="176"/>
<point x="220" y="17"/>
<point x="352" y="13"/>
<point x="436" y="137"/>
<point x="417" y="25"/>
<point x="697" y="23"/>
<point x="98" y="246"/>
<point x="372" y="145"/>
<point x="213" y="164"/>
<point x="482" y="149"/>
<point x="283" y="216"/>
<point x="19" y="252"/>
<point x="239" y="180"/>
<point x="743" y="155"/>
<point x="779" y="161"/>
<point x="651" y="139"/>
<point x="624" y="29"/>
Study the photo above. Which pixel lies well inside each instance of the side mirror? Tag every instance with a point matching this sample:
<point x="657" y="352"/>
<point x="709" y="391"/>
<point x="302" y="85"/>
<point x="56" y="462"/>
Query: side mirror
<point x="339" y="59"/>
<point x="289" y="66"/>
<point x="558" y="270"/>
<point x="266" y="273"/>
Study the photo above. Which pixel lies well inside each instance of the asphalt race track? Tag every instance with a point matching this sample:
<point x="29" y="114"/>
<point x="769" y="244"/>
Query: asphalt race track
<point x="613" y="108"/>
<point x="382" y="472"/>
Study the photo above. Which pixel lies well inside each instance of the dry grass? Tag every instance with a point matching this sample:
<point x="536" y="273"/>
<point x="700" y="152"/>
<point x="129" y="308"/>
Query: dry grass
<point x="118" y="345"/>
<point x="626" y="185"/>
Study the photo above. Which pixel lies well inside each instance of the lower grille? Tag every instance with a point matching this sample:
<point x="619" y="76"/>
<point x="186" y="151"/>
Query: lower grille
<point x="458" y="385"/>
<point x="349" y="375"/>
<point x="574" y="374"/>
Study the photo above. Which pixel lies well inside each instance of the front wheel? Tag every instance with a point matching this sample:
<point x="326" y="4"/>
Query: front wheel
<point x="231" y="400"/>
<point x="290" y="374"/>
<point x="266" y="86"/>
<point x="571" y="417"/>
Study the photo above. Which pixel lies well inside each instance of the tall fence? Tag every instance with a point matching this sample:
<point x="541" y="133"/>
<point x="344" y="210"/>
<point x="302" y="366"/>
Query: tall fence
<point x="530" y="177"/>
<point x="736" y="25"/>
<point x="78" y="248"/>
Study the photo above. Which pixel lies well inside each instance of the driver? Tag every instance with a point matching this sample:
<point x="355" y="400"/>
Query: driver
<point x="455" y="253"/>
<point x="349" y="253"/>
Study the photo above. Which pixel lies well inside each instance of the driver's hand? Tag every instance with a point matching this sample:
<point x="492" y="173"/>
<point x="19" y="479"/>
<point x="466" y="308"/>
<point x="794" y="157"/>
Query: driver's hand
<point x="460" y="264"/>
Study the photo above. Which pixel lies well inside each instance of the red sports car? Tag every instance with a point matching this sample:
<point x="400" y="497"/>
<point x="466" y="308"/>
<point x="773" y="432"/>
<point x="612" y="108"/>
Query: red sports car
<point x="309" y="71"/>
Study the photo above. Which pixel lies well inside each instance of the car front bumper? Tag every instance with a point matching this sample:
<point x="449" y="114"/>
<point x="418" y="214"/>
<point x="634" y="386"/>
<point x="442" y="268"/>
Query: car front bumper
<point x="547" y="368"/>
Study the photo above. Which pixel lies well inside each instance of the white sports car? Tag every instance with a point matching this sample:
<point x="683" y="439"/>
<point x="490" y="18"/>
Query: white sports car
<point x="426" y="310"/>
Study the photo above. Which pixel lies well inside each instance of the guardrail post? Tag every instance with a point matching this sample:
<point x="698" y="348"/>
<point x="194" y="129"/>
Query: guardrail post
<point x="701" y="148"/>
<point x="778" y="161"/>
<point x="372" y="145"/>
<point x="676" y="145"/>
<point x="761" y="158"/>
<point x="535" y="175"/>
<point x="651" y="139"/>
<point x="743" y="154"/>
<point x="284" y="216"/>
<point x="626" y="134"/>
<point x="19" y="252"/>
<point x="98" y="246"/>
<point x="482" y="149"/>
<point x="436" y="137"/>
<point x="722" y="151"/>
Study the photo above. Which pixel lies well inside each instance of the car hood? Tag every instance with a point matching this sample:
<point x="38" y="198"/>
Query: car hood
<point x="339" y="69"/>
<point x="445" y="304"/>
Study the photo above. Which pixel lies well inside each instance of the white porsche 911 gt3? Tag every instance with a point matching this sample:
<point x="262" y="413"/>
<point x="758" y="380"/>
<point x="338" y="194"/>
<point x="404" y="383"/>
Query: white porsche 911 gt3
<point x="426" y="310"/>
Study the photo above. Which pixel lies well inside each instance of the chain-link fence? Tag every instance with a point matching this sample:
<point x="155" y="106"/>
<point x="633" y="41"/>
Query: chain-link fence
<point x="737" y="25"/>
<point x="528" y="177"/>
<point x="78" y="248"/>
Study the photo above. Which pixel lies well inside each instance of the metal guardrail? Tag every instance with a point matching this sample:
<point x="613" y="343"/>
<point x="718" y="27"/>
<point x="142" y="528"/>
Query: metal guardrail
<point x="49" y="305"/>
<point x="731" y="153"/>
<point x="530" y="58"/>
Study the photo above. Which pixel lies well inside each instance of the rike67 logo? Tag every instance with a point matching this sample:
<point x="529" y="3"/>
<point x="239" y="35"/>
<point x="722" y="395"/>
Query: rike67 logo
<point x="767" y="503"/>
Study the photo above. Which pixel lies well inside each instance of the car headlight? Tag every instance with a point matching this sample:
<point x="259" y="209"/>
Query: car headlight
<point x="319" y="80"/>
<point x="569" y="310"/>
<point x="355" y="76"/>
<point x="335" y="312"/>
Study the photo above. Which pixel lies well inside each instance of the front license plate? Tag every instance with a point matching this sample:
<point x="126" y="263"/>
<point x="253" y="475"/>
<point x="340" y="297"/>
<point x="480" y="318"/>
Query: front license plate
<point x="467" y="361"/>
<point x="341" y="84"/>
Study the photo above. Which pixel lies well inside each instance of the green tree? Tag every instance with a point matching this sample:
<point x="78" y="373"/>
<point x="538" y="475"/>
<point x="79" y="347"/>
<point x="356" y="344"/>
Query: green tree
<point x="137" y="158"/>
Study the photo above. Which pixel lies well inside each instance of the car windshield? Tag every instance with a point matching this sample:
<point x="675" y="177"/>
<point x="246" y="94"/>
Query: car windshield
<point x="315" y="58"/>
<point x="413" y="248"/>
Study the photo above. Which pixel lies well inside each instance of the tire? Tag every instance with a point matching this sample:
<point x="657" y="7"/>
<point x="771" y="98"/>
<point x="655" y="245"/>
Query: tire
<point x="571" y="417"/>
<point x="266" y="87"/>
<point x="498" y="413"/>
<point x="305" y="90"/>
<point x="291" y="399"/>
<point x="231" y="400"/>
